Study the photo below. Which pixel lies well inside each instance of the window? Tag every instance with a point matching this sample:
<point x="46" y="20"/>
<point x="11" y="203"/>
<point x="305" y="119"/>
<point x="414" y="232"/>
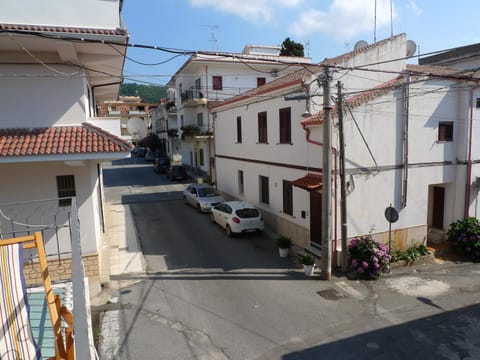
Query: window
<point x="285" y="126"/>
<point x="198" y="84"/>
<point x="217" y="83"/>
<point x="200" y="119"/>
<point x="65" y="189"/>
<point x="445" y="131"/>
<point x="264" y="193"/>
<point x="261" y="81"/>
<point x="262" y="127"/>
<point x="240" y="181"/>
<point x="239" y="129"/>
<point x="182" y="122"/>
<point x="287" y="197"/>
<point x="202" y="157"/>
<point x="478" y="103"/>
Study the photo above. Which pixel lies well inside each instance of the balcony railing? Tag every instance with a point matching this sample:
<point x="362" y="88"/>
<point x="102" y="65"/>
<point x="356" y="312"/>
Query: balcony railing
<point x="196" y="131"/>
<point x="193" y="97"/>
<point x="59" y="226"/>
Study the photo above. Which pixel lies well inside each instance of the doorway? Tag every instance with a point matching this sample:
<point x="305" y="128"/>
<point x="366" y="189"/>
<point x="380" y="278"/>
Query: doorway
<point x="438" y="207"/>
<point x="316" y="217"/>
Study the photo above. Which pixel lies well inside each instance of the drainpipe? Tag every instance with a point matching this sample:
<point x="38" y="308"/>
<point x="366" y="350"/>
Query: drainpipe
<point x="100" y="85"/>
<point x="406" y="96"/>
<point x="335" y="171"/>
<point x="208" y="127"/>
<point x="469" y="156"/>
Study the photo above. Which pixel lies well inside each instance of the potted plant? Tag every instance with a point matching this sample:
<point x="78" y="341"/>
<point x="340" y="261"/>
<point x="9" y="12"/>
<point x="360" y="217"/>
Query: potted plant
<point x="308" y="262"/>
<point x="284" y="243"/>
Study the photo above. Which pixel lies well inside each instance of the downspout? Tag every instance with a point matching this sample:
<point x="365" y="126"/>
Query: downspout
<point x="335" y="171"/>
<point x="208" y="127"/>
<point x="100" y="85"/>
<point x="406" y="95"/>
<point x="469" y="156"/>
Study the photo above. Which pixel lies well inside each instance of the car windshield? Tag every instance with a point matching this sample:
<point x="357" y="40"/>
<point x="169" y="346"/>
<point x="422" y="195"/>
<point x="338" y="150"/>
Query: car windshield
<point x="206" y="192"/>
<point x="247" y="213"/>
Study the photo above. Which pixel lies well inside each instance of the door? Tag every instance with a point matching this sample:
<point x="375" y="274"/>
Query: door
<point x="316" y="217"/>
<point x="438" y="207"/>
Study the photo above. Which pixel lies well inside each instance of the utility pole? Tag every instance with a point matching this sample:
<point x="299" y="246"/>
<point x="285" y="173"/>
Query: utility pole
<point x="327" y="181"/>
<point x="343" y="191"/>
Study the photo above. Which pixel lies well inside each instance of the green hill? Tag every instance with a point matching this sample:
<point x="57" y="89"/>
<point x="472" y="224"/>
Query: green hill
<point x="148" y="93"/>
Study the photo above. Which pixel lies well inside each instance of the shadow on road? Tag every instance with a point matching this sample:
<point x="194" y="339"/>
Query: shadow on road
<point x="448" y="335"/>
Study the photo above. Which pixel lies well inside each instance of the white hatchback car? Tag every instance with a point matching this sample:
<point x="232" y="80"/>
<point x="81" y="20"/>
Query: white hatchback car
<point x="237" y="217"/>
<point x="202" y="197"/>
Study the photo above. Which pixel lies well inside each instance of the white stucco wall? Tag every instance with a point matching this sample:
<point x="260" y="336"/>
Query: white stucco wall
<point x="18" y="185"/>
<point x="431" y="163"/>
<point x="85" y="13"/>
<point x="34" y="96"/>
<point x="112" y="125"/>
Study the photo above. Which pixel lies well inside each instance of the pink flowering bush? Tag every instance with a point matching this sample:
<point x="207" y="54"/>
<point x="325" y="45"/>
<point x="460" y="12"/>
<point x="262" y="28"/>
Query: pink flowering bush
<point x="464" y="237"/>
<point x="368" y="259"/>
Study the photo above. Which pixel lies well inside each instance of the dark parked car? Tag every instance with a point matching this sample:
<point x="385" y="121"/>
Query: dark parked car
<point x="161" y="165"/>
<point x="177" y="172"/>
<point x="149" y="156"/>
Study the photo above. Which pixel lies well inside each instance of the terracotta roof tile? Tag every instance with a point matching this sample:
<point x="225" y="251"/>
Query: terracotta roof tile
<point x="297" y="77"/>
<point x="309" y="182"/>
<point x="357" y="100"/>
<point x="62" y="29"/>
<point x="59" y="140"/>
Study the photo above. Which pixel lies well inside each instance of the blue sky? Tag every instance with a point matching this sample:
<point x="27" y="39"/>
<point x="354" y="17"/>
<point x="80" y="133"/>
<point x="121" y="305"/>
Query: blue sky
<point x="327" y="27"/>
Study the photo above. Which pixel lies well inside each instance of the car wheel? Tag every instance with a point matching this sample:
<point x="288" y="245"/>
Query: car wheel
<point x="199" y="208"/>
<point x="229" y="231"/>
<point x="212" y="218"/>
<point x="185" y="200"/>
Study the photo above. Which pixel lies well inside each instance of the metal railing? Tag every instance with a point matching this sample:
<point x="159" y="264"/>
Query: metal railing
<point x="60" y="229"/>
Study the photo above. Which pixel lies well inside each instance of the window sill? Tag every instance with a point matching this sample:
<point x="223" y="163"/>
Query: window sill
<point x="262" y="143"/>
<point x="289" y="143"/>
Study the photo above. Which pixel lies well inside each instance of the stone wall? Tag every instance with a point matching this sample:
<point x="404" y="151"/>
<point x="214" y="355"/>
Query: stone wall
<point x="61" y="270"/>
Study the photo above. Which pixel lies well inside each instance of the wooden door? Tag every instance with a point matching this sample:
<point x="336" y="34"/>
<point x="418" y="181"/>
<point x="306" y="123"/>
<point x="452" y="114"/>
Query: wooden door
<point x="438" y="207"/>
<point x="316" y="217"/>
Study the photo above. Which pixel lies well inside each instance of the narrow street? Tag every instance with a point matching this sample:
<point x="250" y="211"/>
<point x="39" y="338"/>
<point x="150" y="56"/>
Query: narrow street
<point x="207" y="296"/>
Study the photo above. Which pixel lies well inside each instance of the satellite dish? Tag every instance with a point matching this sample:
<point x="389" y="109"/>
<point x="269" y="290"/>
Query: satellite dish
<point x="137" y="128"/>
<point x="411" y="48"/>
<point x="360" y="44"/>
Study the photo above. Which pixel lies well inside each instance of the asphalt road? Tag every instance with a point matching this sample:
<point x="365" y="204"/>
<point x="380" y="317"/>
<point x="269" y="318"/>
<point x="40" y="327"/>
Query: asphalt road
<point x="207" y="296"/>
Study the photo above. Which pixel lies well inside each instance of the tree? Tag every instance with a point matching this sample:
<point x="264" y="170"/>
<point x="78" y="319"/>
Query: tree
<point x="148" y="93"/>
<point x="291" y="48"/>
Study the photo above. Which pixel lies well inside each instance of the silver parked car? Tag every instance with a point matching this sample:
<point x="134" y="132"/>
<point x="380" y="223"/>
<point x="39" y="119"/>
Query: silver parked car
<point x="237" y="217"/>
<point x="201" y="196"/>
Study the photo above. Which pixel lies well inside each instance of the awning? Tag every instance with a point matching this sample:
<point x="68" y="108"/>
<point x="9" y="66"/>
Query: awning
<point x="309" y="182"/>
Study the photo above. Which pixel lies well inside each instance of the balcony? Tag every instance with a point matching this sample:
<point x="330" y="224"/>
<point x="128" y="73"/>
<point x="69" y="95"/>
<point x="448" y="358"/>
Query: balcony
<point x="193" y="97"/>
<point x="60" y="230"/>
<point x="196" y="132"/>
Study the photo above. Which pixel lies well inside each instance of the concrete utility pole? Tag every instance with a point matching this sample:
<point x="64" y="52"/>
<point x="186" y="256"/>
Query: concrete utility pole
<point x="327" y="181"/>
<point x="343" y="190"/>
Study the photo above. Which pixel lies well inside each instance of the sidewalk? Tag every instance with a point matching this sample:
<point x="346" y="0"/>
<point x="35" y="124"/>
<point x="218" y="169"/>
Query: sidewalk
<point x="121" y="252"/>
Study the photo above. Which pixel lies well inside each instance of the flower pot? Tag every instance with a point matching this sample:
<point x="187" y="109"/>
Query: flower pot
<point x="309" y="269"/>
<point x="283" y="252"/>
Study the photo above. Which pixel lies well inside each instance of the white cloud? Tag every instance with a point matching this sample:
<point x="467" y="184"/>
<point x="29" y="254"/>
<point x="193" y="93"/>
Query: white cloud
<point x="412" y="5"/>
<point x="344" y="18"/>
<point x="250" y="10"/>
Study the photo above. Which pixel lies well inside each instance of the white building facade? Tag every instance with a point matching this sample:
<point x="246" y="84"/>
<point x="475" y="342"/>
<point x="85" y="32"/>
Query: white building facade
<point x="207" y="78"/>
<point x="51" y="142"/>
<point x="408" y="143"/>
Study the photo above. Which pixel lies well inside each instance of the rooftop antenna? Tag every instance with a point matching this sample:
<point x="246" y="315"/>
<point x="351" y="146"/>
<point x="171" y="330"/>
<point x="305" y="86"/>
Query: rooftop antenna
<point x="213" y="40"/>
<point x="307" y="47"/>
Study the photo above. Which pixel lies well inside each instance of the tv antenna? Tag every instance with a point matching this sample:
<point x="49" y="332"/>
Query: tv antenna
<point x="307" y="47"/>
<point x="213" y="40"/>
